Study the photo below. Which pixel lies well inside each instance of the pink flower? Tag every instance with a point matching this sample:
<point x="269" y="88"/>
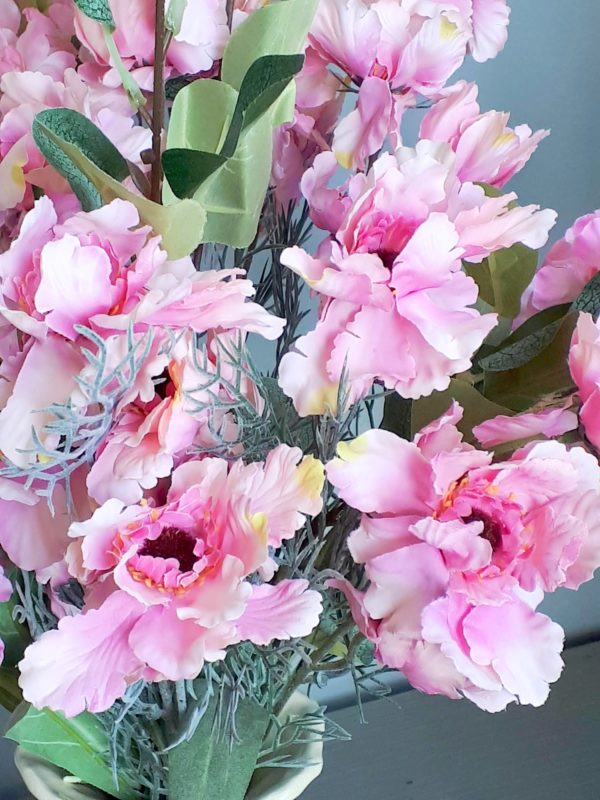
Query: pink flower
<point x="584" y="363"/>
<point x="57" y="276"/>
<point x="487" y="150"/>
<point x="23" y="95"/>
<point x="36" y="42"/>
<point x="570" y="264"/>
<point x="459" y="550"/>
<point x="396" y="306"/>
<point x="296" y="144"/>
<point x="183" y="566"/>
<point x="198" y="43"/>
<point x="395" y="50"/>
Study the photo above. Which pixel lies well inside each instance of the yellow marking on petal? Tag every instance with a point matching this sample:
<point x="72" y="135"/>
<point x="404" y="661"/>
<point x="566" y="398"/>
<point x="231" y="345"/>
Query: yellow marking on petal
<point x="44" y="459"/>
<point x="17" y="175"/>
<point x="504" y="138"/>
<point x="344" y="159"/>
<point x="260" y="523"/>
<point x="448" y="30"/>
<point x="350" y="451"/>
<point x="311" y="476"/>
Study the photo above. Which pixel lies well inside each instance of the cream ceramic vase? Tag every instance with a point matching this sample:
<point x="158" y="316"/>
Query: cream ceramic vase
<point x="44" y="781"/>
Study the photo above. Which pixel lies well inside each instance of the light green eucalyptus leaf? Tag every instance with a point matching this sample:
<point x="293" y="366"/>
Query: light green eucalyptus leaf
<point x="503" y="277"/>
<point x="276" y="29"/>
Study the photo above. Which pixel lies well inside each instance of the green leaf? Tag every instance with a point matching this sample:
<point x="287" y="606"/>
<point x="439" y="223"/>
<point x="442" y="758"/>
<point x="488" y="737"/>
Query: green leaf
<point x="263" y="84"/>
<point x="180" y="225"/>
<point x="13" y="634"/>
<point x="73" y="128"/>
<point x="76" y="745"/>
<point x="546" y="374"/>
<point x="476" y="407"/>
<point x="205" y="768"/>
<point x="186" y="170"/>
<point x="174" y="16"/>
<point x="234" y="194"/>
<point x="589" y="299"/>
<point x="98" y="10"/>
<point x="276" y="29"/>
<point x="527" y="341"/>
<point x="503" y="277"/>
<point x="397" y="416"/>
<point x="10" y="693"/>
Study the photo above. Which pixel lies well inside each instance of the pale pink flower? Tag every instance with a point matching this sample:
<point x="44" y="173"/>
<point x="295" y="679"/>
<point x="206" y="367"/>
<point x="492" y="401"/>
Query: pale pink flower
<point x="459" y="551"/>
<point x="182" y="566"/>
<point x="296" y="144"/>
<point x="57" y="276"/>
<point x="23" y="95"/>
<point x="584" y="363"/>
<point x="569" y="266"/>
<point x="33" y="41"/>
<point x="396" y="306"/>
<point x="194" y="48"/>
<point x="395" y="50"/>
<point x="487" y="150"/>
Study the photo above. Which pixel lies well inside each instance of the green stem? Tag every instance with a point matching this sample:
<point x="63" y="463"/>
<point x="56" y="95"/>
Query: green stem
<point x="136" y="98"/>
<point x="302" y="675"/>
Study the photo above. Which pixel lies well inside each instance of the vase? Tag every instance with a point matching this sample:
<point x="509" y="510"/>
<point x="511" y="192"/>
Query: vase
<point x="45" y="781"/>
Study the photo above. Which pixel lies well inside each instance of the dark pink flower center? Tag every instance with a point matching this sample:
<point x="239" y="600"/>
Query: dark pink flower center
<point x="172" y="543"/>
<point x="493" y="529"/>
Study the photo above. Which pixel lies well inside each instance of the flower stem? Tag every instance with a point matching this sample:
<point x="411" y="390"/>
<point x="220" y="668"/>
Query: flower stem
<point x="158" y="100"/>
<point x="306" y="670"/>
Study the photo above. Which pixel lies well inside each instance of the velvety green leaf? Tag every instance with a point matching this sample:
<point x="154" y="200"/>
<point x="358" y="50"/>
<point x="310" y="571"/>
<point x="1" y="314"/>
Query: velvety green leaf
<point x="263" y="84"/>
<point x="397" y="416"/>
<point x="12" y="633"/>
<point x="527" y="341"/>
<point x="589" y="299"/>
<point x="73" y="128"/>
<point x="98" y="10"/>
<point x="476" y="407"/>
<point x="546" y="374"/>
<point x="276" y="29"/>
<point x="186" y="169"/>
<point x="10" y="693"/>
<point x="76" y="745"/>
<point x="503" y="277"/>
<point x="205" y="768"/>
<point x="180" y="225"/>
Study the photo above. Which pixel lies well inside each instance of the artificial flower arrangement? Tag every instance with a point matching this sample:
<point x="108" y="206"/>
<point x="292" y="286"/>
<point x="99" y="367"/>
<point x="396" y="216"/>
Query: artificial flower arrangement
<point x="190" y="542"/>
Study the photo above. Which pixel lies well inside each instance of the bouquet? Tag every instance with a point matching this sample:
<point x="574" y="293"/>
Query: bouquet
<point x="285" y="396"/>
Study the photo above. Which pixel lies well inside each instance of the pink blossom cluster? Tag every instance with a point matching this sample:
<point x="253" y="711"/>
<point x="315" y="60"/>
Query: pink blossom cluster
<point x="171" y="524"/>
<point x="459" y="551"/>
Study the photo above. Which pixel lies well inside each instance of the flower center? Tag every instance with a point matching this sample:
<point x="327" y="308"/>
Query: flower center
<point x="172" y="543"/>
<point x="493" y="529"/>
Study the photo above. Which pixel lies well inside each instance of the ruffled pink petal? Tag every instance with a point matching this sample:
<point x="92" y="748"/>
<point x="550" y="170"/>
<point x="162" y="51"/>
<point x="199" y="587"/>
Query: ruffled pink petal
<point x="490" y="28"/>
<point x="550" y="423"/>
<point x="362" y="132"/>
<point x="87" y="663"/>
<point x="381" y="473"/>
<point x="522" y="646"/>
<point x="284" y="611"/>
